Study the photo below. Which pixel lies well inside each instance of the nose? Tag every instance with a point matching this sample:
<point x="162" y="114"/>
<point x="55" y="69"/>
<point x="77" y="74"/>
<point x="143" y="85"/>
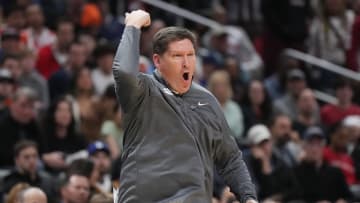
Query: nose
<point x="185" y="63"/>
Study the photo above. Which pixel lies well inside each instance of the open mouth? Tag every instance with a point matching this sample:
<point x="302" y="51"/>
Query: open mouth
<point x="186" y="76"/>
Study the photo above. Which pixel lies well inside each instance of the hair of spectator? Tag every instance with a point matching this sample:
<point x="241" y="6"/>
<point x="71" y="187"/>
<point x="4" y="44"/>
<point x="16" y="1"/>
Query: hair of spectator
<point x="21" y="194"/>
<point x="15" y="192"/>
<point x="167" y="35"/>
<point x="63" y="20"/>
<point x="13" y="9"/>
<point x="26" y="92"/>
<point x="10" y="56"/>
<point x="82" y="167"/>
<point x="50" y="118"/>
<point x="23" y="144"/>
<point x="101" y="198"/>
<point x="341" y="83"/>
<point x="104" y="49"/>
<point x="275" y="117"/>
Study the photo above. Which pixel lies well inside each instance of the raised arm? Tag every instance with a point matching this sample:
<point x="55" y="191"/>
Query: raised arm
<point x="126" y="61"/>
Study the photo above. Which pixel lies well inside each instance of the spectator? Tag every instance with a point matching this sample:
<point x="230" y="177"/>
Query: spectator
<point x="7" y="87"/>
<point x="295" y="84"/>
<point x="334" y="113"/>
<point x="86" y="105"/>
<point x="285" y="26"/>
<point x="319" y="181"/>
<point x="100" y="154"/>
<point x="112" y="132"/>
<point x="14" y="193"/>
<point x="352" y="126"/>
<point x="37" y="35"/>
<point x="352" y="59"/>
<point x="330" y="31"/>
<point x="308" y="111"/>
<point x="15" y="18"/>
<point x="102" y="75"/>
<point x="286" y="141"/>
<point x="26" y="170"/>
<point x="75" y="189"/>
<point x="89" y="42"/>
<point x="12" y="63"/>
<point x="31" y="195"/>
<point x="257" y="105"/>
<point x="336" y="154"/>
<point x="61" y="136"/>
<point x="237" y="78"/>
<point x="31" y="78"/>
<point x="10" y="43"/>
<point x="17" y="124"/>
<point x="53" y="56"/>
<point x="219" y="85"/>
<point x="275" y="180"/>
<point x="61" y="81"/>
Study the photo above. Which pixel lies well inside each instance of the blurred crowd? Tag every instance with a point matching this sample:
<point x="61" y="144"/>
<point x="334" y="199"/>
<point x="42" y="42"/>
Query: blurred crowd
<point x="61" y="126"/>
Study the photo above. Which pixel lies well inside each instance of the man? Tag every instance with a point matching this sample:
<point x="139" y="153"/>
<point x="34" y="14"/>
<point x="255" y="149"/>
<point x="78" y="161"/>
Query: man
<point x="286" y="141"/>
<point x="55" y="55"/>
<point x="334" y="113"/>
<point x="295" y="84"/>
<point x="175" y="129"/>
<point x="275" y="180"/>
<point x="318" y="180"/>
<point x="100" y="154"/>
<point x="18" y="123"/>
<point x="7" y="87"/>
<point x="75" y="189"/>
<point x="26" y="160"/>
<point x="32" y="195"/>
<point x="10" y="43"/>
<point x="308" y="111"/>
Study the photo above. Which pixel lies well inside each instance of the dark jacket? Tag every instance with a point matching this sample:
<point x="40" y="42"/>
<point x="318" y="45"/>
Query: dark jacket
<point x="323" y="183"/>
<point x="172" y="141"/>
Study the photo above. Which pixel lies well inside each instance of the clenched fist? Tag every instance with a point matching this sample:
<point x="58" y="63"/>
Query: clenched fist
<point x="138" y="19"/>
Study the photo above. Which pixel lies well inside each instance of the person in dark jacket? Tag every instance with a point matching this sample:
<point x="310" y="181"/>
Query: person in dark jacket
<point x="318" y="180"/>
<point x="175" y="131"/>
<point x="26" y="170"/>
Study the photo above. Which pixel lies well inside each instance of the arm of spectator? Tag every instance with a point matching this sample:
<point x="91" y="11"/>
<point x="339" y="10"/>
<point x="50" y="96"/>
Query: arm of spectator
<point x="126" y="61"/>
<point x="54" y="159"/>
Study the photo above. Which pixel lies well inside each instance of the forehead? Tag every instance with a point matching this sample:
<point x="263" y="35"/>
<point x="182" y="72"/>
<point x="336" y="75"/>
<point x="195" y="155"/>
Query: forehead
<point x="180" y="45"/>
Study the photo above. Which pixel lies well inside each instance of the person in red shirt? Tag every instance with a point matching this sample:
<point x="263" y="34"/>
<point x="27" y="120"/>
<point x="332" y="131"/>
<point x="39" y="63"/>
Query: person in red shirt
<point x="336" y="154"/>
<point x="334" y="113"/>
<point x="50" y="58"/>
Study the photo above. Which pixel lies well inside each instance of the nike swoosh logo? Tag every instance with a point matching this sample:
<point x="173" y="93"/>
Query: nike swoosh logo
<point x="202" y="104"/>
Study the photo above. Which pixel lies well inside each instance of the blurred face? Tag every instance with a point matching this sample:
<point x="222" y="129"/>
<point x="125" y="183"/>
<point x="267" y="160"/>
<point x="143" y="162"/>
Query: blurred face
<point x="65" y="34"/>
<point x="102" y="162"/>
<point x="77" y="190"/>
<point x="344" y="95"/>
<point x="105" y="63"/>
<point x="84" y="81"/>
<point x="307" y="102"/>
<point x="266" y="146"/>
<point x="63" y="114"/>
<point x="220" y="87"/>
<point x="282" y="128"/>
<point x="34" y="16"/>
<point x="177" y="65"/>
<point x="88" y="42"/>
<point x="22" y="110"/>
<point x="13" y="66"/>
<point x="6" y="89"/>
<point x="28" y="63"/>
<point x="11" y="46"/>
<point x="27" y="160"/>
<point x="296" y="86"/>
<point x="77" y="56"/>
<point x="16" y="20"/>
<point x="256" y="93"/>
<point x="314" y="150"/>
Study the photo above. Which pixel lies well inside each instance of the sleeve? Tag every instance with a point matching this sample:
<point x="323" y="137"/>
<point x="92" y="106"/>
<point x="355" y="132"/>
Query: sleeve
<point x="231" y="166"/>
<point x="128" y="87"/>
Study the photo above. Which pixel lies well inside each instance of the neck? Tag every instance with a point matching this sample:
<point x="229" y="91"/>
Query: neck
<point x="61" y="131"/>
<point x="306" y="119"/>
<point x="37" y="29"/>
<point x="344" y="104"/>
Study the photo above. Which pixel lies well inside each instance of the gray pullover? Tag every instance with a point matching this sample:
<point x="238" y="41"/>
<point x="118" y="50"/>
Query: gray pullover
<point x="171" y="142"/>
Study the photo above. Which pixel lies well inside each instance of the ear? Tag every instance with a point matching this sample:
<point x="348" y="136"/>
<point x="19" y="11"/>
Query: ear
<point x="156" y="60"/>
